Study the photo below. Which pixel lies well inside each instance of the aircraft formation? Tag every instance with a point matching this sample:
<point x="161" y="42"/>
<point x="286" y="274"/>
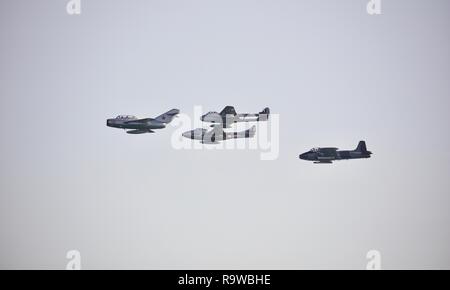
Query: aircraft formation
<point x="224" y="120"/>
<point x="220" y="121"/>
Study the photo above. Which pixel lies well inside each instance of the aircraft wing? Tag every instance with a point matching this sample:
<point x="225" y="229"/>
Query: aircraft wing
<point x="330" y="151"/>
<point x="225" y="125"/>
<point x="140" y="131"/>
<point x="208" y="142"/>
<point x="138" y="121"/>
<point x="323" y="162"/>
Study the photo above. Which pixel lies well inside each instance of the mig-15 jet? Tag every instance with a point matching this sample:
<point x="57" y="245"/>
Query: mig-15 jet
<point x="134" y="125"/>
<point x="330" y="154"/>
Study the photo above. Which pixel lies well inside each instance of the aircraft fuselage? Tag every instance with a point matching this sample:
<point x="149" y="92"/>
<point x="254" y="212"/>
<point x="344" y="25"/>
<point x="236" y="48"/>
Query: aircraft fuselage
<point x="147" y="124"/>
<point x="330" y="154"/>
<point x="338" y="155"/>
<point x="214" y="136"/>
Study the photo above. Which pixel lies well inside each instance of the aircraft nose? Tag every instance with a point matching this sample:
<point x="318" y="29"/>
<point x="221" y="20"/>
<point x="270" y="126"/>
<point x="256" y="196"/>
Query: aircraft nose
<point x="187" y="134"/>
<point x="303" y="156"/>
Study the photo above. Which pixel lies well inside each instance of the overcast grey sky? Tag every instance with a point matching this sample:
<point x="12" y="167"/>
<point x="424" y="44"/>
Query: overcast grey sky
<point x="334" y="74"/>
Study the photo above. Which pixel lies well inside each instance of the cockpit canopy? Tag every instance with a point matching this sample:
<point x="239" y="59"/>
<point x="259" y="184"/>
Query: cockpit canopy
<point x="125" y="117"/>
<point x="212" y="117"/>
<point x="326" y="150"/>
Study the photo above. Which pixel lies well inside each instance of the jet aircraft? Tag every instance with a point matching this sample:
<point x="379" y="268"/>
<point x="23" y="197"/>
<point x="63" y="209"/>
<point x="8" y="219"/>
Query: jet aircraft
<point x="134" y="125"/>
<point x="215" y="135"/>
<point x="229" y="116"/>
<point x="330" y="154"/>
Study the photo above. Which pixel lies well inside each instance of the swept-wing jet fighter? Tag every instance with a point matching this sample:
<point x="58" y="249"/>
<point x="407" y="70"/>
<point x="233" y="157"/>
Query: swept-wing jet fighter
<point x="329" y="154"/>
<point x="215" y="135"/>
<point x="229" y="116"/>
<point x="134" y="125"/>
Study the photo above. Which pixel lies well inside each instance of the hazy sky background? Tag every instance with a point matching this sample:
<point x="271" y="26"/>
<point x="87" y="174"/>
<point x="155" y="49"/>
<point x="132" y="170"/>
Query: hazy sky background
<point x="334" y="74"/>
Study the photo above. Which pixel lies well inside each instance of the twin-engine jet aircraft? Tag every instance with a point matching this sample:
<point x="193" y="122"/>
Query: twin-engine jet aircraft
<point x="141" y="126"/>
<point x="328" y="155"/>
<point x="217" y="134"/>
<point x="229" y="116"/>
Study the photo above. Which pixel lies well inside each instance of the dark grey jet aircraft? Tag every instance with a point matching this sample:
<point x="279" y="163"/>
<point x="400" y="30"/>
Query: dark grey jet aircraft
<point x="229" y="116"/>
<point x="141" y="126"/>
<point x="328" y="155"/>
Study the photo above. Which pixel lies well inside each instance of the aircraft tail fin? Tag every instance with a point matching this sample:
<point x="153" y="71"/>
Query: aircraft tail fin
<point x="168" y="116"/>
<point x="228" y="110"/>
<point x="361" y="147"/>
<point x="264" y="114"/>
